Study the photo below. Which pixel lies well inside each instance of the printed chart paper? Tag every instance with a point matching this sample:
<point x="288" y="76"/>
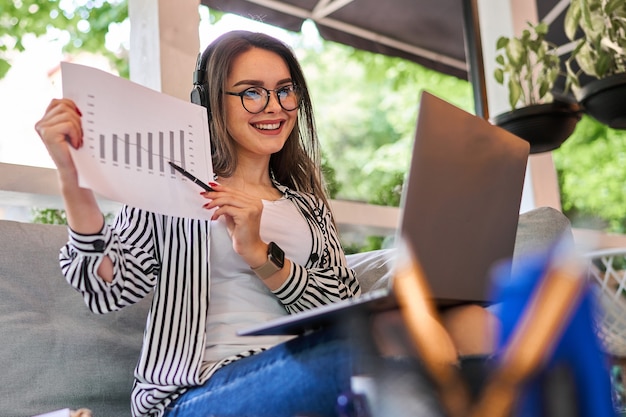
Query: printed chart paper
<point x="130" y="134"/>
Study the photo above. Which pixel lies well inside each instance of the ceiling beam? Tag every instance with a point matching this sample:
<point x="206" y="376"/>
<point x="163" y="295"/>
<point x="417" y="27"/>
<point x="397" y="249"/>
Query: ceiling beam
<point x="326" y="7"/>
<point x="556" y="11"/>
<point x="365" y="34"/>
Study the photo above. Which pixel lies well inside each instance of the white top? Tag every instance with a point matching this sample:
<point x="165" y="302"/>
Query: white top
<point x="238" y="298"/>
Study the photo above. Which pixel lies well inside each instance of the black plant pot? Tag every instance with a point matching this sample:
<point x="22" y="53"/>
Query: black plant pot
<point x="544" y="126"/>
<point x="605" y="100"/>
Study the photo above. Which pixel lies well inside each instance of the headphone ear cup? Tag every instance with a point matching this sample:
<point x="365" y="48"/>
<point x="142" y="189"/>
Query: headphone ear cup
<point x="200" y="96"/>
<point x="200" y="91"/>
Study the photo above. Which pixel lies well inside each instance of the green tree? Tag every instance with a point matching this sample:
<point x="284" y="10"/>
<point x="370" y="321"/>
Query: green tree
<point x="366" y="106"/>
<point x="85" y="22"/>
<point x="49" y="216"/>
<point x="592" y="176"/>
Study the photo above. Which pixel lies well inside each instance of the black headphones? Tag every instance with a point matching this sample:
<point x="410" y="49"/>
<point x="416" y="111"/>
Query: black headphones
<point x="200" y="91"/>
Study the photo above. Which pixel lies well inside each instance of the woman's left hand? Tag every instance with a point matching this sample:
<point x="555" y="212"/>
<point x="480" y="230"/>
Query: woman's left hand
<point x="242" y="214"/>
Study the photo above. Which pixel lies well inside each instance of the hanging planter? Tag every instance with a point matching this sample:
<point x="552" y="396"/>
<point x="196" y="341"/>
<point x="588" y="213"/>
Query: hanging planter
<point x="529" y="66"/>
<point x="605" y="100"/>
<point x="600" y="54"/>
<point x="545" y="126"/>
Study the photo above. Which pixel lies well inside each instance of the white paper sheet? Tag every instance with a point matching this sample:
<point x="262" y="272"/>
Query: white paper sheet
<point x="58" y="413"/>
<point x="130" y="134"/>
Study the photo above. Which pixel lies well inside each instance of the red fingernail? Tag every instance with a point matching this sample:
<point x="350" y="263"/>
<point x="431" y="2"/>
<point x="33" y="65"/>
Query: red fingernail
<point x="79" y="112"/>
<point x="213" y="184"/>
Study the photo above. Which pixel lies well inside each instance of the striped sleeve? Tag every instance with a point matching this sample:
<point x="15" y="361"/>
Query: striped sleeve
<point x="326" y="278"/>
<point x="129" y="245"/>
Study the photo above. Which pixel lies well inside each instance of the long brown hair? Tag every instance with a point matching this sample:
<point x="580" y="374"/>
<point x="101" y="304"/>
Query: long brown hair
<point x="298" y="164"/>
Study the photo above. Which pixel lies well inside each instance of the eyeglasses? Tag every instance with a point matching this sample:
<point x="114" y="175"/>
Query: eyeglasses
<point x="256" y="99"/>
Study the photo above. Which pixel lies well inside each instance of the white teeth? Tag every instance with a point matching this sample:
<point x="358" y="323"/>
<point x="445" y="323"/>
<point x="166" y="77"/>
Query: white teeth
<point x="267" y="126"/>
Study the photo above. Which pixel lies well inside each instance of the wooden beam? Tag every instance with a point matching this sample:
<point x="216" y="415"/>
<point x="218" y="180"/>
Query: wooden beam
<point x="164" y="44"/>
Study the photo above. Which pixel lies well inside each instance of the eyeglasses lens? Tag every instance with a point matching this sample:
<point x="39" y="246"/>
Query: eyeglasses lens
<point x="256" y="99"/>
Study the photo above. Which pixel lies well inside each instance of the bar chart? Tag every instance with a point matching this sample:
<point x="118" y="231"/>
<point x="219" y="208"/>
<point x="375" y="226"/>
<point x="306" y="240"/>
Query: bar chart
<point x="130" y="133"/>
<point x="144" y="151"/>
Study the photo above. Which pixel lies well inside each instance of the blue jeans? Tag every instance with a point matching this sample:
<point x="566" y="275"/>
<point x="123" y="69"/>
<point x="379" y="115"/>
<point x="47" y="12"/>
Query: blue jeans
<point x="302" y="377"/>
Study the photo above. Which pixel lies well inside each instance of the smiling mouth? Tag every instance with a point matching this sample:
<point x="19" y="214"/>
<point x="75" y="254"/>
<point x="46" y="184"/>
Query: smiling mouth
<point x="267" y="126"/>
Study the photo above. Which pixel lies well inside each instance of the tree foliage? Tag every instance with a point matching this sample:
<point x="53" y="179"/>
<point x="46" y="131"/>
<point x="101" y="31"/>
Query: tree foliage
<point x="592" y="178"/>
<point x="85" y="25"/>
<point x="366" y="110"/>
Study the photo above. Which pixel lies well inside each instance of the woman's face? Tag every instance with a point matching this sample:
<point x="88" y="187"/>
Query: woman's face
<point x="266" y="132"/>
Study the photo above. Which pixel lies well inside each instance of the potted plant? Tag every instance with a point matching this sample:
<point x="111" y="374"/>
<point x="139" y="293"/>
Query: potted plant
<point x="530" y="66"/>
<point x="600" y="54"/>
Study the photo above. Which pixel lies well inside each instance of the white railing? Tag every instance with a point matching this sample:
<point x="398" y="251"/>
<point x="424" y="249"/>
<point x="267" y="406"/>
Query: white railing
<point x="28" y="186"/>
<point x="23" y="186"/>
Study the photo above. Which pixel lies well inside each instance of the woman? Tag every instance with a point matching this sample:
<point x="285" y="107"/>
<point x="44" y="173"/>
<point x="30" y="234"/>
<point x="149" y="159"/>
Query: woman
<point x="271" y="248"/>
<point x="267" y="194"/>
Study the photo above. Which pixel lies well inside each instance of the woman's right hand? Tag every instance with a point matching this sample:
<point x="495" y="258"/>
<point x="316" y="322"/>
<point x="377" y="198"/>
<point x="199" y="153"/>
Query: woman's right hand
<point x="59" y="128"/>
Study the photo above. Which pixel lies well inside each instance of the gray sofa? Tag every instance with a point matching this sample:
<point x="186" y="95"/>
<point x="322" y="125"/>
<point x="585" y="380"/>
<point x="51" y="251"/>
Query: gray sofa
<point x="54" y="353"/>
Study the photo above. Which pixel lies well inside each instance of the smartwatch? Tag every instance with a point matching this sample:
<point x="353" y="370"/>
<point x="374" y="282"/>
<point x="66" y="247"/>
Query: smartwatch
<point x="275" y="262"/>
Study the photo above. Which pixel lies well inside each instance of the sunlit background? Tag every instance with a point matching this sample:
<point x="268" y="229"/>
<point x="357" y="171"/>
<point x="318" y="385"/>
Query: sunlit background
<point x="34" y="79"/>
<point x="365" y="106"/>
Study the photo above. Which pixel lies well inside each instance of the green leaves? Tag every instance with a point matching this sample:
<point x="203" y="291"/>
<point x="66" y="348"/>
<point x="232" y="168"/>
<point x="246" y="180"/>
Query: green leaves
<point x="4" y="67"/>
<point x="602" y="24"/>
<point x="591" y="176"/>
<point x="365" y="109"/>
<point x="515" y="92"/>
<point x="86" y="22"/>
<point x="572" y="17"/>
<point x="516" y="52"/>
<point x="529" y="65"/>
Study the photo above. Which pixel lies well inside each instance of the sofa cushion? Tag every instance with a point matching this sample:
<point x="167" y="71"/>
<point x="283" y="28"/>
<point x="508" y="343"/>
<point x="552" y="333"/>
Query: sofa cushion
<point x="540" y="228"/>
<point x="373" y="269"/>
<point x="55" y="353"/>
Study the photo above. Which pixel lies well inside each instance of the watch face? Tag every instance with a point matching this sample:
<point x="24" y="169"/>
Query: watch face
<point x="276" y="254"/>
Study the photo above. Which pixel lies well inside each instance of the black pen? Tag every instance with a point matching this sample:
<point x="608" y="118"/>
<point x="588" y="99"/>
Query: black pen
<point x="190" y="176"/>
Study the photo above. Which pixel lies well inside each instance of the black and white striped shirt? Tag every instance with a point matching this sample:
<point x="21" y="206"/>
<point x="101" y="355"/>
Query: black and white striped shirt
<point x="170" y="256"/>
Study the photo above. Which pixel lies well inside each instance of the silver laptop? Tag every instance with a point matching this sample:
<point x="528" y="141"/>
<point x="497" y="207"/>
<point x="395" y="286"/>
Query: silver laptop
<point x="460" y="209"/>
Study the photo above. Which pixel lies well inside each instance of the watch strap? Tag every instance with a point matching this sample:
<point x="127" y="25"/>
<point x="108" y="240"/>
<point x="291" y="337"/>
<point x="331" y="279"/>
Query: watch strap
<point x="266" y="270"/>
<point x="271" y="266"/>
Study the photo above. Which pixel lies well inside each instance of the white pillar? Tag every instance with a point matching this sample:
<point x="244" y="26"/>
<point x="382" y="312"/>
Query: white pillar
<point x="164" y="44"/>
<point x="509" y="18"/>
